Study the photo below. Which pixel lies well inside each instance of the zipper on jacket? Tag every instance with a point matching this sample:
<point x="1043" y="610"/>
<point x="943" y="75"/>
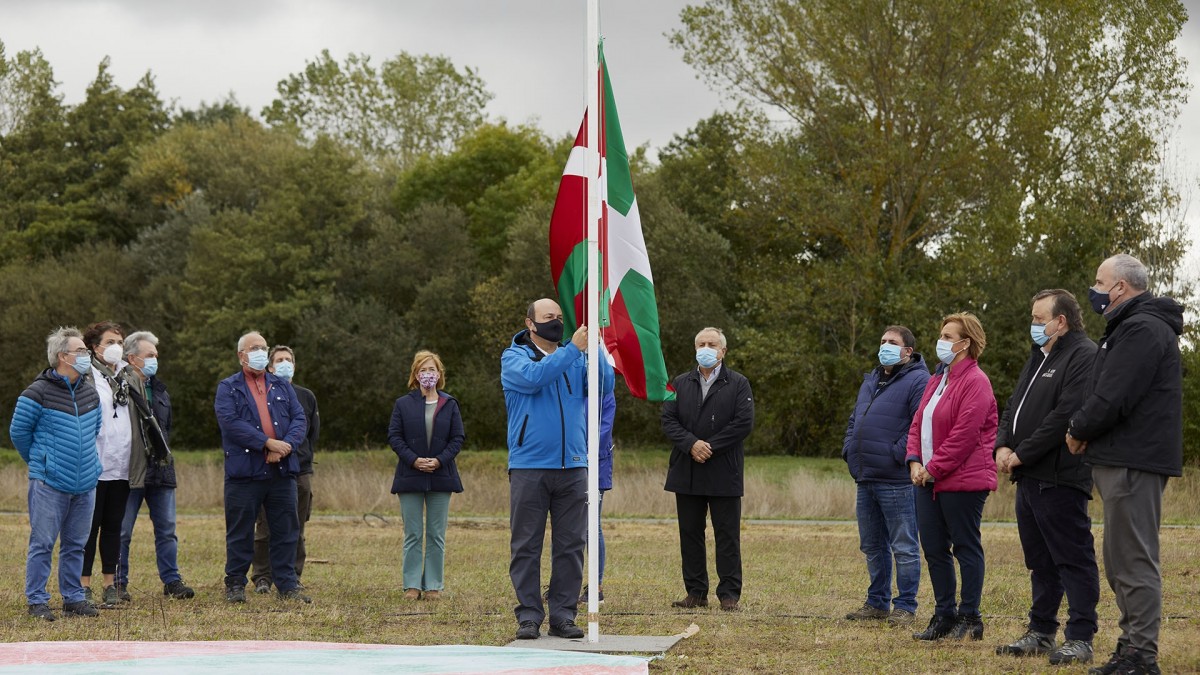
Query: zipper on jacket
<point x="562" y="424"/>
<point x="521" y="437"/>
<point x="568" y="381"/>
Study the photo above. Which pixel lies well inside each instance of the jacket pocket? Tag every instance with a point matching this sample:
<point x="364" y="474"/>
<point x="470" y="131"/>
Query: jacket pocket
<point x="521" y="436"/>
<point x="239" y="464"/>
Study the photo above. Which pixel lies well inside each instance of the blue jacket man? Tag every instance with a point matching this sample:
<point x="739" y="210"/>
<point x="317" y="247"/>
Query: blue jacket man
<point x="54" y="428"/>
<point x="875" y="447"/>
<point x="545" y="393"/>
<point x="261" y="424"/>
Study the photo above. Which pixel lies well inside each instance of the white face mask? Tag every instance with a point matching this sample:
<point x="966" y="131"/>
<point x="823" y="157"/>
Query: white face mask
<point x="112" y="354"/>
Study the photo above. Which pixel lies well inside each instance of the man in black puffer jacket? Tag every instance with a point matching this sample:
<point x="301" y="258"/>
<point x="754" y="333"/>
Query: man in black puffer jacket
<point x="1053" y="486"/>
<point x="1130" y="429"/>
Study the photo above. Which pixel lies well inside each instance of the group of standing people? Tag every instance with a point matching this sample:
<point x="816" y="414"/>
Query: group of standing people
<point x="94" y="429"/>
<point x="925" y="451"/>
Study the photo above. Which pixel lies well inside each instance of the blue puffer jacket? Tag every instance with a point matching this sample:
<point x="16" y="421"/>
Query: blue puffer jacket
<point x="54" y="427"/>
<point x="877" y="435"/>
<point x="242" y="437"/>
<point x="546" y="399"/>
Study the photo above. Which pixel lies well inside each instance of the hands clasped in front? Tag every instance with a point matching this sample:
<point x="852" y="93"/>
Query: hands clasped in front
<point x="918" y="474"/>
<point x="427" y="464"/>
<point x="277" y="450"/>
<point x="701" y="451"/>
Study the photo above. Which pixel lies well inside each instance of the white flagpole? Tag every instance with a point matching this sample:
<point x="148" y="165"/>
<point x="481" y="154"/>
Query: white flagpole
<point x="595" y="279"/>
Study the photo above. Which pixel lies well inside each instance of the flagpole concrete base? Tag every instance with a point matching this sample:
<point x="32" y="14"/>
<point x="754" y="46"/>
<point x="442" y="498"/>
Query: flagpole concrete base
<point x="607" y="644"/>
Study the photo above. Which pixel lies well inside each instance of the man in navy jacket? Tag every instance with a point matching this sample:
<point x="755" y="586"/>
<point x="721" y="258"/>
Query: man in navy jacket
<point x="545" y="393"/>
<point x="261" y="424"/>
<point x="874" y="448"/>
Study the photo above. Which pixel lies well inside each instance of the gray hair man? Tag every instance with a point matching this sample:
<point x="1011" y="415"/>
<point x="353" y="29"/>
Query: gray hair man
<point x="151" y="465"/>
<point x="1130" y="429"/>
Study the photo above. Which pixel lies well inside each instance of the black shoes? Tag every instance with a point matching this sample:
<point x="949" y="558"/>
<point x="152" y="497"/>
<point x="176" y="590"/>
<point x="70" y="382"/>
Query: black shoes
<point x="81" y="608"/>
<point x="566" y="629"/>
<point x="295" y="595"/>
<point x="1032" y="643"/>
<point x="41" y="611"/>
<point x="967" y="627"/>
<point x="235" y="594"/>
<point x="178" y="590"/>
<point x="1126" y="661"/>
<point x="528" y="630"/>
<point x="939" y="627"/>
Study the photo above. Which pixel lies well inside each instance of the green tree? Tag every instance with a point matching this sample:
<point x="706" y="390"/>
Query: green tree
<point x="409" y="107"/>
<point x="935" y="157"/>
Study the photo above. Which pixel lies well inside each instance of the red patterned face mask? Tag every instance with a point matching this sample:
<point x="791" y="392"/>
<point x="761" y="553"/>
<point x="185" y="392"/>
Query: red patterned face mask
<point x="428" y="380"/>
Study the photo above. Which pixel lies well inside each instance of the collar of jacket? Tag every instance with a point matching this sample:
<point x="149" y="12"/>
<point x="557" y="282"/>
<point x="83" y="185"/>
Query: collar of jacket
<point x="1072" y="337"/>
<point x="61" y="380"/>
<point x="901" y="369"/>
<point x="965" y="366"/>
<point x="722" y="376"/>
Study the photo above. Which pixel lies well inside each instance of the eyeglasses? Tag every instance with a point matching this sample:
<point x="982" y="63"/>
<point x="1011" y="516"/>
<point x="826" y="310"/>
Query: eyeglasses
<point x="77" y="352"/>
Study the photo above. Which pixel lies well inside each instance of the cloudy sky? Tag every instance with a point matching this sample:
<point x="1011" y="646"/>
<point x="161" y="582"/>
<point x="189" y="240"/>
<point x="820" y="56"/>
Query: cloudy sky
<point x="529" y="52"/>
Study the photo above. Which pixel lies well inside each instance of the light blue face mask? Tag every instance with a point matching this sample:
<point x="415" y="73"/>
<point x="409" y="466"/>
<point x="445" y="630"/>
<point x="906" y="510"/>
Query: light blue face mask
<point x="1037" y="331"/>
<point x="285" y="369"/>
<point x="889" y="354"/>
<point x="706" y="357"/>
<point x="945" y="350"/>
<point x="150" y="367"/>
<point x="82" y="364"/>
<point x="258" y="359"/>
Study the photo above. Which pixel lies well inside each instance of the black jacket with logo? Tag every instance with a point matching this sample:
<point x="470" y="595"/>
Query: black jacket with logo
<point x="1133" y="414"/>
<point x="724" y="419"/>
<point x="1050" y="389"/>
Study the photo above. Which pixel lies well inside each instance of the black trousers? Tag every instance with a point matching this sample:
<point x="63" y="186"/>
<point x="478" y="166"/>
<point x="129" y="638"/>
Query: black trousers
<point x="727" y="531"/>
<point x="111" y="496"/>
<point x="949" y="527"/>
<point x="1056" y="536"/>
<point x="560" y="494"/>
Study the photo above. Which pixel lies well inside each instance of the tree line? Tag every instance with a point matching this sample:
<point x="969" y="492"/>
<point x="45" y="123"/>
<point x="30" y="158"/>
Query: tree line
<point x="878" y="164"/>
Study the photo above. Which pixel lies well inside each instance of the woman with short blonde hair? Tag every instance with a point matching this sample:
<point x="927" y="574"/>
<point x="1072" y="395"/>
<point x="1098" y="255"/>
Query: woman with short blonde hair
<point x="426" y="434"/>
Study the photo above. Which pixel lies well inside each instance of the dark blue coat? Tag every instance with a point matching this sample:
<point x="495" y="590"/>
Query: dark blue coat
<point x="406" y="433"/>
<point x="876" y="438"/>
<point x="242" y="437"/>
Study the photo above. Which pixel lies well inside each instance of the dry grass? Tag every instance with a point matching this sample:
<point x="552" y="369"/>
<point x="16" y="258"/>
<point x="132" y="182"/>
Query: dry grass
<point x="799" y="579"/>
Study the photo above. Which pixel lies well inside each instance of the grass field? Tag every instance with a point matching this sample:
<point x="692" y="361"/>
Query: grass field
<point x="799" y="578"/>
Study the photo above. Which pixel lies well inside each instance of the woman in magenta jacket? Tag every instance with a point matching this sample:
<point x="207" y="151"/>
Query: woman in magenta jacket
<point x="950" y="461"/>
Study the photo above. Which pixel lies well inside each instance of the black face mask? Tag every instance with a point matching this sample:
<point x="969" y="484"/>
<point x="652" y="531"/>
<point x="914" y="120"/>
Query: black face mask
<point x="551" y="330"/>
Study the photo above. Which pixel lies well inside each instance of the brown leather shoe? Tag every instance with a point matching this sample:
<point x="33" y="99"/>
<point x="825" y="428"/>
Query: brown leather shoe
<point x="729" y="604"/>
<point x="691" y="602"/>
<point x="412" y="594"/>
<point x="432" y="595"/>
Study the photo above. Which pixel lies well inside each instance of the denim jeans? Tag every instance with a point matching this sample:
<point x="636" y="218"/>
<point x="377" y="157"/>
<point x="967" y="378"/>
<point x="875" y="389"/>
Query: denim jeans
<point x="243" y="499"/>
<point x="160" y="502"/>
<point x="600" y="535"/>
<point x="887" y="530"/>
<point x="425" y="516"/>
<point x="55" y="515"/>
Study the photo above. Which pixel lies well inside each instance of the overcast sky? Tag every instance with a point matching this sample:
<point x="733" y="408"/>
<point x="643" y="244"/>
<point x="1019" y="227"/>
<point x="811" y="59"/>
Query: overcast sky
<point x="529" y="52"/>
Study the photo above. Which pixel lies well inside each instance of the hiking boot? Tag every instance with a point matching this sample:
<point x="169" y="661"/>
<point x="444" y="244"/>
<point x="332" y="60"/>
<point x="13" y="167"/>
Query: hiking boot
<point x="1114" y="662"/>
<point x="412" y="594"/>
<point x="431" y="595"/>
<point x="123" y="594"/>
<point x="1072" y="651"/>
<point x="967" y="627"/>
<point x="295" y="595"/>
<point x="81" y="608"/>
<point x="566" y="629"/>
<point x="528" y="630"/>
<point x="111" y="596"/>
<point x="1032" y="643"/>
<point x="729" y="604"/>
<point x="1133" y="663"/>
<point x="178" y="590"/>
<point x="262" y="585"/>
<point x="691" y="602"/>
<point x="87" y="596"/>
<point x="901" y="618"/>
<point x="41" y="611"/>
<point x="868" y="613"/>
<point x="938" y="628"/>
<point x="235" y="594"/>
<point x="584" y="593"/>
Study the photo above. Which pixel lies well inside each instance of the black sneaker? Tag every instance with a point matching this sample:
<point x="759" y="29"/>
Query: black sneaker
<point x="1114" y="662"/>
<point x="939" y="627"/>
<point x="178" y="590"/>
<point x="967" y="627"/>
<point x="295" y="595"/>
<point x="81" y="608"/>
<point x="528" y="630"/>
<point x="41" y="611"/>
<point x="1133" y="663"/>
<point x="868" y="613"/>
<point x="1072" y="651"/>
<point x="111" y="597"/>
<point x="123" y="594"/>
<point x="1032" y="643"/>
<point x="262" y="585"/>
<point x="566" y="629"/>
<point x="235" y="594"/>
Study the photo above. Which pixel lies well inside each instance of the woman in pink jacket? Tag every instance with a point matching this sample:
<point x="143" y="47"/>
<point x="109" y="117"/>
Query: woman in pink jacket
<point x="950" y="460"/>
